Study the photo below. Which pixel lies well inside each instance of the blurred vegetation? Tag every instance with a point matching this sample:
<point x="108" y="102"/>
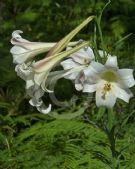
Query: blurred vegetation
<point x="32" y="140"/>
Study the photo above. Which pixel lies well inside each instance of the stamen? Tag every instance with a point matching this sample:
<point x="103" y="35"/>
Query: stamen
<point x="107" y="88"/>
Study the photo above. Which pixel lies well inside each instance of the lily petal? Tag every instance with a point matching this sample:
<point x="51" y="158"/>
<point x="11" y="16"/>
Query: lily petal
<point x="94" y="69"/>
<point x="90" y="88"/>
<point x="112" y="62"/>
<point x="123" y="94"/>
<point x="24" y="49"/>
<point x="83" y="56"/>
<point x="23" y="71"/>
<point x="79" y="81"/>
<point x="127" y="77"/>
<point x="17" y="37"/>
<point x="69" y="64"/>
<point x="35" y="103"/>
<point x="43" y="109"/>
<point x="108" y="100"/>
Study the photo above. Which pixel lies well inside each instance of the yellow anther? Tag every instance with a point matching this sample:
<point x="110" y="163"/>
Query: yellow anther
<point x="107" y="88"/>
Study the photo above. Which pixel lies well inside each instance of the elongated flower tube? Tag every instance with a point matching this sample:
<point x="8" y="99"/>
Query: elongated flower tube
<point x="109" y="82"/>
<point x="24" y="50"/>
<point x="83" y="58"/>
<point x="43" y="67"/>
<point x="33" y="90"/>
<point x="36" y="73"/>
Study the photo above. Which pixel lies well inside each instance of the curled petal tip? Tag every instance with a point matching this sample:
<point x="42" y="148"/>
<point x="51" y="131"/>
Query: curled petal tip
<point x="16" y="33"/>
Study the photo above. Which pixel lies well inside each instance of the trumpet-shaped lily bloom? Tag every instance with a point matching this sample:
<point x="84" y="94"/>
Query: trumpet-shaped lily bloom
<point x="36" y="73"/>
<point x="109" y="82"/>
<point x="33" y="90"/>
<point x="24" y="50"/>
<point x="78" y="61"/>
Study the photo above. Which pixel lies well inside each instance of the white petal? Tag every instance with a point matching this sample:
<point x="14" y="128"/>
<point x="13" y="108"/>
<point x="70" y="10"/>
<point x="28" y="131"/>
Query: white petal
<point x="83" y="56"/>
<point x="43" y="109"/>
<point x="123" y="94"/>
<point x="23" y="71"/>
<point x="78" y="86"/>
<point x="75" y="68"/>
<point x="18" y="50"/>
<point x="20" y="55"/>
<point x="24" y="49"/>
<point x="72" y="76"/>
<point x="90" y="53"/>
<point x="16" y="37"/>
<point x="94" y="69"/>
<point x="38" y="93"/>
<point x="75" y="73"/>
<point x="112" y="62"/>
<point x="107" y="100"/>
<point x="79" y="81"/>
<point x="38" y="45"/>
<point x="39" y="77"/>
<point x="35" y="103"/>
<point x="44" y="85"/>
<point x="127" y="77"/>
<point x="90" y="88"/>
<point x="69" y="64"/>
<point x="16" y="34"/>
<point x="19" y="41"/>
<point x="30" y="84"/>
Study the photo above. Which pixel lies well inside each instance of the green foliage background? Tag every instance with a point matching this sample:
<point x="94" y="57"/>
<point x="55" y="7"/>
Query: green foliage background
<point x="32" y="140"/>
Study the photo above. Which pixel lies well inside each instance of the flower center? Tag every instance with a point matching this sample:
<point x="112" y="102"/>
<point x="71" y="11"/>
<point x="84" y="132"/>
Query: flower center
<point x="110" y="76"/>
<point x="107" y="87"/>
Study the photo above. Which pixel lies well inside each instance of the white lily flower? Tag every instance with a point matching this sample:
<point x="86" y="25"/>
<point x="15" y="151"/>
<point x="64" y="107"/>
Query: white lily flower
<point x="32" y="89"/>
<point x="109" y="82"/>
<point x="24" y="50"/>
<point x="43" y="67"/>
<point x="82" y="58"/>
<point x="35" y="73"/>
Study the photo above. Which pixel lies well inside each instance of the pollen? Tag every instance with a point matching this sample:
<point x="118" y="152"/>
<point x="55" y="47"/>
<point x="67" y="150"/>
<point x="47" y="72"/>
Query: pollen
<point x="106" y="88"/>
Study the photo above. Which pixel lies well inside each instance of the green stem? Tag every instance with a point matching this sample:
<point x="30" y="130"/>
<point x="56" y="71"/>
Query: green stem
<point x="111" y="129"/>
<point x="111" y="138"/>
